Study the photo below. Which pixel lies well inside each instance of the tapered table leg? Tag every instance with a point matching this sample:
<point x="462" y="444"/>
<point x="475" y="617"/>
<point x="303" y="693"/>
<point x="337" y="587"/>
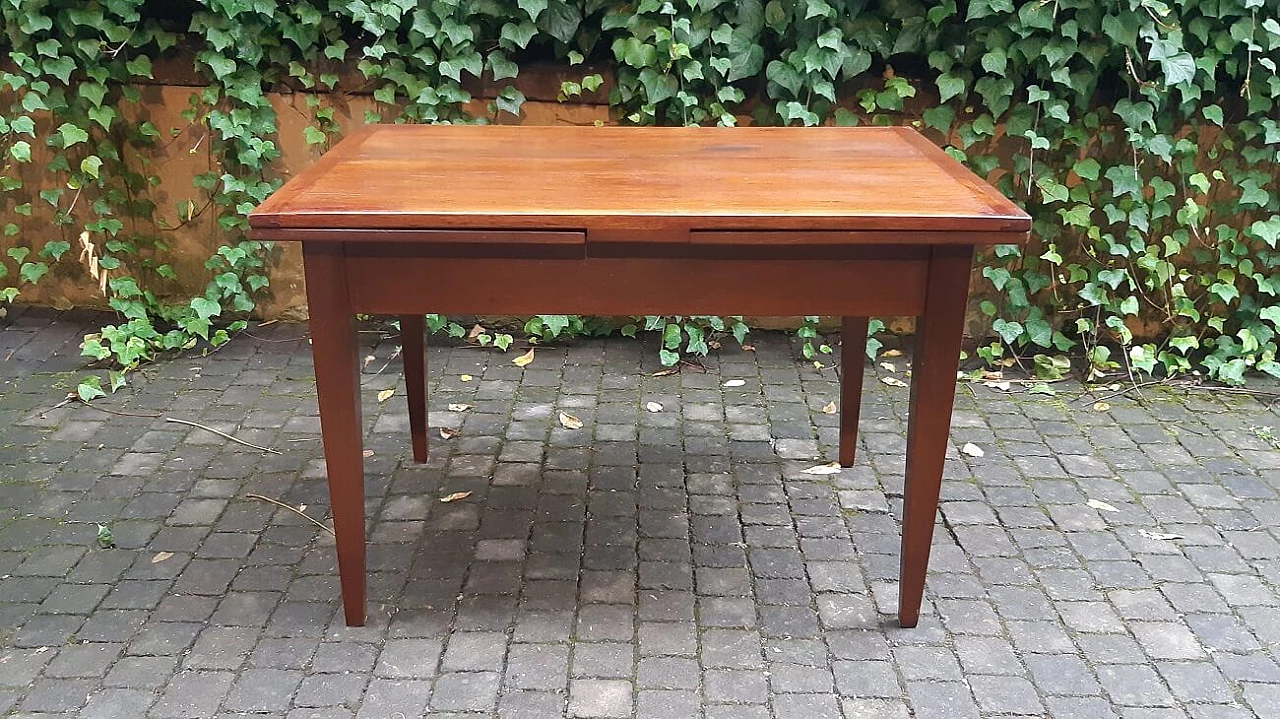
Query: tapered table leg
<point x="933" y="382"/>
<point x="335" y="351"/>
<point x="413" y="352"/>
<point x="853" y="344"/>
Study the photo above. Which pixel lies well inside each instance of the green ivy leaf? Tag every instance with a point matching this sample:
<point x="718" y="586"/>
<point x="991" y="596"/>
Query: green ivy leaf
<point x="21" y="151"/>
<point x="71" y="135"/>
<point x="32" y="271"/>
<point x="205" y="308"/>
<point x="533" y="7"/>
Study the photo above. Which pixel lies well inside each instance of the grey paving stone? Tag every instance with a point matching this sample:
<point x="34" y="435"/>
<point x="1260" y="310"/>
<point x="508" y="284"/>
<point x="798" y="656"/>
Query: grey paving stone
<point x="327" y="690"/>
<point x="600" y="698"/>
<point x="465" y="692"/>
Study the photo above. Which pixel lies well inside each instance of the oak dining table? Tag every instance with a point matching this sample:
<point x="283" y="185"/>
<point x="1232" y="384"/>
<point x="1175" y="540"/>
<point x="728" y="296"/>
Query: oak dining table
<point x="765" y="221"/>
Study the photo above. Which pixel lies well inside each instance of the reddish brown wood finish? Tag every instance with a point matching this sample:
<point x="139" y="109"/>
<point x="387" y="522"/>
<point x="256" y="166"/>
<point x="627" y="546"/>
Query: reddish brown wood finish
<point x="853" y="361"/>
<point x="651" y="179"/>
<point x="842" y="221"/>
<point x="413" y="352"/>
<point x="337" y="367"/>
<point x="933" y="384"/>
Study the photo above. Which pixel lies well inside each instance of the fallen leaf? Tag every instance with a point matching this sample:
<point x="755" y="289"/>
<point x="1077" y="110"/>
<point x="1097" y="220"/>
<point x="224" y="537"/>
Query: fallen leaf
<point x="653" y="407"/>
<point x="465" y="377"/>
<point x="41" y="650"/>
<point x="889" y="366"/>
<point x="386" y="394"/>
<point x="893" y="381"/>
<point x="734" y="383"/>
<point x="475" y="332"/>
<point x="568" y="421"/>
<point x="891" y="353"/>
<point x="1101" y="406"/>
<point x="160" y="557"/>
<point x="1114" y="386"/>
<point x="1160" y="536"/>
<point x="714" y="344"/>
<point x="972" y="450"/>
<point x="1008" y="361"/>
<point x="1002" y="386"/>
<point x="748" y="348"/>
<point x="448" y="433"/>
<point x="455" y="496"/>
<point x="666" y="372"/>
<point x="524" y="359"/>
<point x="456" y="407"/>
<point x="823" y="469"/>
<point x="367" y="360"/>
<point x="993" y="374"/>
<point x="368" y="453"/>
<point x="829" y="408"/>
<point x="1099" y="504"/>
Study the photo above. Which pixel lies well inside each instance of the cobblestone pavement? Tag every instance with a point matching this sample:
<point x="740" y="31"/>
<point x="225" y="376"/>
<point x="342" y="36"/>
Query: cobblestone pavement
<point x="652" y="564"/>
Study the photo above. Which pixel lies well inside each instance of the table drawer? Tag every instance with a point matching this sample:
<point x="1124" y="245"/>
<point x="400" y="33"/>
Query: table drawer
<point x="516" y="244"/>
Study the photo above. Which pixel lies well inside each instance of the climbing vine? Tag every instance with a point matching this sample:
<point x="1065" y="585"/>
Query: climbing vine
<point x="1142" y="136"/>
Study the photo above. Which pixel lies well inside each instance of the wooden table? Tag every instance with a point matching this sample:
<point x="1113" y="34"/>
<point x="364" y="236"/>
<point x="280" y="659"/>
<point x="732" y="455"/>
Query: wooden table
<point x="847" y="222"/>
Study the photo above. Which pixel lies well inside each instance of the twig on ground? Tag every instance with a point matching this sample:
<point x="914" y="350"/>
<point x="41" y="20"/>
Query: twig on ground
<point x="295" y="510"/>
<point x="222" y="434"/>
<point x="264" y="339"/>
<point x="117" y="412"/>
<point x="1236" y="390"/>
<point x="1089" y="396"/>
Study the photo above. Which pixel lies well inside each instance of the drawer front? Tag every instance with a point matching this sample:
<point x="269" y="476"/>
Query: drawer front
<point x="514" y="244"/>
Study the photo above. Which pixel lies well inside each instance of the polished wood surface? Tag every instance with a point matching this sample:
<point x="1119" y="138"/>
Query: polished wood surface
<point x="849" y="222"/>
<point x="596" y="178"/>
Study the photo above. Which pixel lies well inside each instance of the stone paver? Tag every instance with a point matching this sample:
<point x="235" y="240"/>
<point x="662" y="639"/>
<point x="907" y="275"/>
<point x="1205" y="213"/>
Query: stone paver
<point x="651" y="564"/>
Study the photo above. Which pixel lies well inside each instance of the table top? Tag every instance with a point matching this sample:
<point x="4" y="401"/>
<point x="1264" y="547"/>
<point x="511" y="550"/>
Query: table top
<point x="602" y="179"/>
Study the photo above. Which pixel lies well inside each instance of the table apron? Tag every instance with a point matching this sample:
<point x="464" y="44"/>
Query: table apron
<point x="646" y="286"/>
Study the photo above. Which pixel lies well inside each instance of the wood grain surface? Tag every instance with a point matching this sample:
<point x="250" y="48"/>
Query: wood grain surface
<point x="656" y="180"/>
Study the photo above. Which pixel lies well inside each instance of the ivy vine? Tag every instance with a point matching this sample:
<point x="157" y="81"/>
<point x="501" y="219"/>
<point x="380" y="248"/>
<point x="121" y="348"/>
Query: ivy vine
<point x="1142" y="136"/>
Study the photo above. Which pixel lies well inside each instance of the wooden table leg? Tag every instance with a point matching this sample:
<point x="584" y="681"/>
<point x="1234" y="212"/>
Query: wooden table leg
<point x="933" y="384"/>
<point x="853" y="345"/>
<point x="335" y="350"/>
<point x="413" y="352"/>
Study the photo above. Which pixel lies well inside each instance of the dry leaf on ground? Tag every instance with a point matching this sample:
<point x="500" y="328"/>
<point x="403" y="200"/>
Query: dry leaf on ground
<point x="568" y="421"/>
<point x="972" y="450"/>
<point x="891" y="353"/>
<point x="455" y="497"/>
<point x="475" y="332"/>
<point x="368" y="453"/>
<point x="1162" y="536"/>
<point x="524" y="359"/>
<point x="893" y="382"/>
<point x="829" y="408"/>
<point x="386" y="394"/>
<point x="653" y="407"/>
<point x="465" y="377"/>
<point x="457" y="407"/>
<point x="889" y="366"/>
<point x="1002" y="386"/>
<point x="160" y="557"/>
<point x="1099" y="504"/>
<point x="823" y="469"/>
<point x="449" y="433"/>
<point x="1101" y="406"/>
<point x="734" y="383"/>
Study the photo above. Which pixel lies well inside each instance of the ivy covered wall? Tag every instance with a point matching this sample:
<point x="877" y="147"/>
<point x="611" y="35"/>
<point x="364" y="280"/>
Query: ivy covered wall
<point x="1143" y="137"/>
